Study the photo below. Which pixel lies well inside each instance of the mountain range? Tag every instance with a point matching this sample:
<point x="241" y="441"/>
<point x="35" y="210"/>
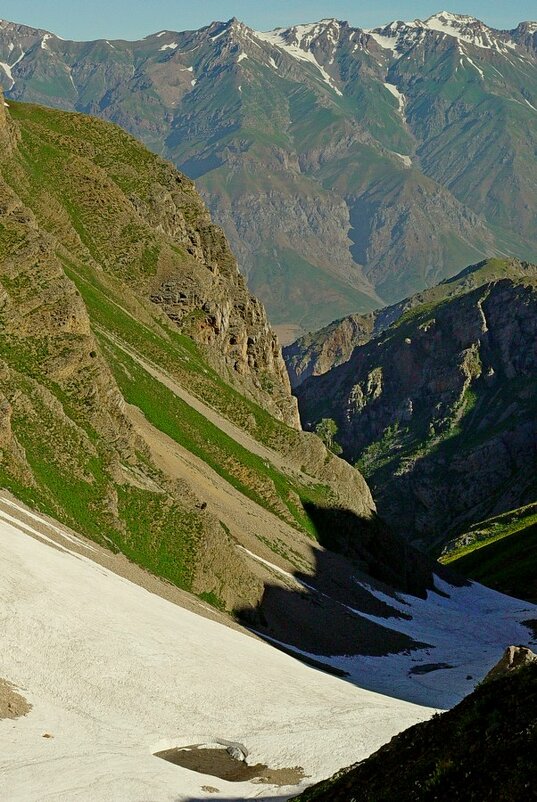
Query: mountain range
<point x="162" y="513"/>
<point x="349" y="168"/>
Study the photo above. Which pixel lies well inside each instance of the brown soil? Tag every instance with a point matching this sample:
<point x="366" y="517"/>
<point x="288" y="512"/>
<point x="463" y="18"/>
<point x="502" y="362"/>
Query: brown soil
<point x="219" y="763"/>
<point x="12" y="704"/>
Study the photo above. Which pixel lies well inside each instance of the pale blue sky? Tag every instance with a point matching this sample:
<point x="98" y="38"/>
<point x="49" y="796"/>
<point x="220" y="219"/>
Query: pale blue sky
<point x="132" y="19"/>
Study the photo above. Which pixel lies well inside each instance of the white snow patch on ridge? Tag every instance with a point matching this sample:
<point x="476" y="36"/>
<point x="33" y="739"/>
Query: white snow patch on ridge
<point x="468" y="629"/>
<point x="8" y="68"/>
<point x="401" y="99"/>
<point x="113" y="671"/>
<point x="277" y="39"/>
<point x="172" y="46"/>
<point x="407" y="161"/>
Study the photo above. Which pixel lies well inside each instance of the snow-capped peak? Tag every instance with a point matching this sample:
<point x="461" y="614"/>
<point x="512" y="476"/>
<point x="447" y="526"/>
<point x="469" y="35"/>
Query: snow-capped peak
<point x="298" y="40"/>
<point x="399" y="36"/>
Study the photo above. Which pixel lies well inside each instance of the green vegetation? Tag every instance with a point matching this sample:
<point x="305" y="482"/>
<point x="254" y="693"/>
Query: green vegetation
<point x="247" y="472"/>
<point x="90" y="339"/>
<point x="327" y="430"/>
<point x="501" y="553"/>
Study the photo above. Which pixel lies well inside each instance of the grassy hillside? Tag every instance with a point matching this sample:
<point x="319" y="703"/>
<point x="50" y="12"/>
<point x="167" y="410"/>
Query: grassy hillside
<point x="117" y="292"/>
<point x="500" y="552"/>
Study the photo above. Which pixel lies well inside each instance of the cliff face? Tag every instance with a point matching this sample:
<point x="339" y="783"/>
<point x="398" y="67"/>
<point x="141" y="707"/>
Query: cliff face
<point x="158" y="237"/>
<point x="439" y="409"/>
<point x="316" y="353"/>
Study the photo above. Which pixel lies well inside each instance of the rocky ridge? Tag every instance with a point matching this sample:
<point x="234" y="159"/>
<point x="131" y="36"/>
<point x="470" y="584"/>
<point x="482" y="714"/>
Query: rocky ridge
<point x="437" y="410"/>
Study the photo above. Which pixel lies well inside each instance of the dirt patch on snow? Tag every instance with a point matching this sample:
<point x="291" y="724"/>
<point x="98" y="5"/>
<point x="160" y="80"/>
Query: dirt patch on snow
<point x="12" y="704"/>
<point x="219" y="763"/>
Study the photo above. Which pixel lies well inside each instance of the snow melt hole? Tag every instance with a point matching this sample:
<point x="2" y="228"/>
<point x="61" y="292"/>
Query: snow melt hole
<point x="228" y="764"/>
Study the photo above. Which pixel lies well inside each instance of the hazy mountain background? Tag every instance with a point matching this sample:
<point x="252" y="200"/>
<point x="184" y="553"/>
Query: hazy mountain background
<point x="348" y="167"/>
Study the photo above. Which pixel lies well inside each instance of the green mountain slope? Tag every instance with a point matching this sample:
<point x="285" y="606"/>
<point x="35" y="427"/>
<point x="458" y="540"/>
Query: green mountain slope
<point x="438" y="409"/>
<point x="357" y="165"/>
<point x="500" y="552"/>
<point x="143" y="398"/>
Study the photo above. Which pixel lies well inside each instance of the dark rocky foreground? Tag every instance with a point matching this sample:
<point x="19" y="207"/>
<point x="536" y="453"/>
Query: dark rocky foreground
<point x="484" y="749"/>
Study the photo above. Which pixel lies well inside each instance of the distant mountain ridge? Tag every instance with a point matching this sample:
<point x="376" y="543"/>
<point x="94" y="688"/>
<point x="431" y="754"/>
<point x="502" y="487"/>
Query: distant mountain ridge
<point x="347" y="166"/>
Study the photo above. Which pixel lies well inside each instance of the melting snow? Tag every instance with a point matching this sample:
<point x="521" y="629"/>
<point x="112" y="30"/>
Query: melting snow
<point x="44" y="41"/>
<point x="386" y="42"/>
<point x="398" y="95"/>
<point x="8" y="68"/>
<point x="458" y="25"/>
<point x="218" y="35"/>
<point x="114" y="673"/>
<point x="407" y="161"/>
<point x="172" y="46"/>
<point x="242" y="57"/>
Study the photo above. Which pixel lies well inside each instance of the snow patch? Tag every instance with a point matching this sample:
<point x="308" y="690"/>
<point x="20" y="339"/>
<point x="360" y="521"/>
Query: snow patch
<point x="386" y="42"/>
<point x="8" y="68"/>
<point x="112" y="670"/>
<point x="242" y="57"/>
<point x="277" y="38"/>
<point x="172" y="46"/>
<point x="407" y="161"/>
<point x="401" y="99"/>
<point x="469" y="29"/>
<point x="44" y="41"/>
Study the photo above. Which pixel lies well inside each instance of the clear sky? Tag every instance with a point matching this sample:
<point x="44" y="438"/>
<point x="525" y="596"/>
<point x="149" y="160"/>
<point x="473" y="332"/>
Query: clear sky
<point x="133" y="19"/>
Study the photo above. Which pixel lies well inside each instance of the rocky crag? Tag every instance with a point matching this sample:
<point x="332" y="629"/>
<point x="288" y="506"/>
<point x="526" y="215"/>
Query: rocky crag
<point x="438" y="409"/>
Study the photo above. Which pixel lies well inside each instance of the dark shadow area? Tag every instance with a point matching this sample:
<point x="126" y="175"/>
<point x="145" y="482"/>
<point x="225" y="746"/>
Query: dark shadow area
<point x="321" y="615"/>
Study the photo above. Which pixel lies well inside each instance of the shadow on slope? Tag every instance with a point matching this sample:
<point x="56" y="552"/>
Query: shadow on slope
<point x="321" y="614"/>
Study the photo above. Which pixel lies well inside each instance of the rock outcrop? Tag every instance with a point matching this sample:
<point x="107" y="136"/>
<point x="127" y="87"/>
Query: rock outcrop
<point x="437" y="410"/>
<point x="513" y="659"/>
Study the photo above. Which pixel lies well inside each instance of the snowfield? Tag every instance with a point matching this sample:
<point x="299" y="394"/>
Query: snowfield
<point x="115" y="673"/>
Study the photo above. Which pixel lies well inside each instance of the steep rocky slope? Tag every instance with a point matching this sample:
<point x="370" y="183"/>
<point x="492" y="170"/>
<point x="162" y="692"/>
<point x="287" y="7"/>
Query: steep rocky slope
<point x="346" y="165"/>
<point x="317" y="352"/>
<point x="137" y="381"/>
<point x="439" y="409"/>
<point x="482" y="749"/>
